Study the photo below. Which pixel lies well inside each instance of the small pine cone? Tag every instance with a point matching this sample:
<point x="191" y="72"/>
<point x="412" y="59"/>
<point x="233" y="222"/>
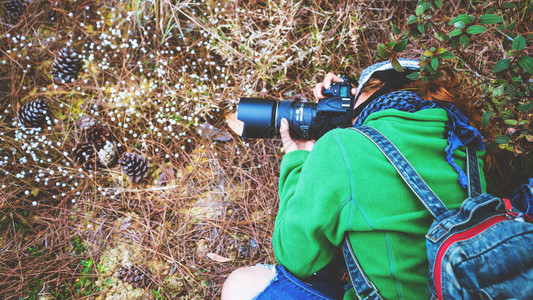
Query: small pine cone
<point x="85" y="155"/>
<point x="107" y="154"/>
<point x="136" y="276"/>
<point x="97" y="135"/>
<point x="135" y="166"/>
<point x="66" y="66"/>
<point x="15" y="9"/>
<point x="33" y="113"/>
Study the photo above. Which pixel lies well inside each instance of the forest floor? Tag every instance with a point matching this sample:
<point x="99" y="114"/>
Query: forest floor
<point x="160" y="77"/>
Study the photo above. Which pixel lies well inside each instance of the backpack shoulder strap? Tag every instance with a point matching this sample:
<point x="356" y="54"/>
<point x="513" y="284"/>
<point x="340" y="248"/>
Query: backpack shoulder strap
<point x="472" y="165"/>
<point x="406" y="171"/>
<point x="364" y="288"/>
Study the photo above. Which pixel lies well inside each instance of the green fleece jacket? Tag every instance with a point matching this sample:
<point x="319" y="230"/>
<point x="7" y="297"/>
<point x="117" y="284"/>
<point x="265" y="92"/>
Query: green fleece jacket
<point x="346" y="185"/>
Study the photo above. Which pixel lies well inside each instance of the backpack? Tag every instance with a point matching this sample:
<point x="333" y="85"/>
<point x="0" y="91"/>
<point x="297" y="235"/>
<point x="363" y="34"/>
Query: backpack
<point x="481" y="250"/>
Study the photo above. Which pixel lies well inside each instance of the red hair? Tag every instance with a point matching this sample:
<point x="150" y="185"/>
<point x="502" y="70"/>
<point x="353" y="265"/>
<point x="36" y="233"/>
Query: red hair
<point x="447" y="89"/>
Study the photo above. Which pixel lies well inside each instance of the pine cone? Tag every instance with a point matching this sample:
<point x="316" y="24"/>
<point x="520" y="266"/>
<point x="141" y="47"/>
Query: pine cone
<point x="15" y="9"/>
<point x="136" y="276"/>
<point x="97" y="135"/>
<point x="66" y="66"/>
<point x="85" y="155"/>
<point x="135" y="166"/>
<point x="33" y="113"/>
<point x="107" y="154"/>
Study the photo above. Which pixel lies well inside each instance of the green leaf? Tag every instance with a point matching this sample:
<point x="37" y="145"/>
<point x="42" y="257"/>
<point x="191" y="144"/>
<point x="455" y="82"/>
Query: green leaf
<point x="439" y="3"/>
<point x="464" y="40"/>
<point x="513" y="53"/>
<point x="490" y="19"/>
<point x="430" y="68"/>
<point x="400" y="46"/>
<point x="508" y="5"/>
<point x="435" y="62"/>
<point x="502" y="65"/>
<point x="526" y="63"/>
<point x="412" y="19"/>
<point x="511" y="122"/>
<point x="511" y="90"/>
<point x="413" y="76"/>
<point x="498" y="91"/>
<point x="486" y="118"/>
<point x="396" y="65"/>
<point x="476" y="29"/>
<point x="525" y="107"/>
<point x="440" y="51"/>
<point x="447" y="55"/>
<point x="395" y="29"/>
<point x="382" y="51"/>
<point x="462" y="18"/>
<point x="502" y="139"/>
<point x="455" y="32"/>
<point x="459" y="24"/>
<point x="519" y="43"/>
<point x="428" y="53"/>
<point x="421" y="27"/>
<point x="505" y="113"/>
<point x="454" y="44"/>
<point x="419" y="10"/>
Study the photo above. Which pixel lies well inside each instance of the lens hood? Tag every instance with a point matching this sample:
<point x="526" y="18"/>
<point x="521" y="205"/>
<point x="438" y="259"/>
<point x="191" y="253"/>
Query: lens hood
<point x="258" y="116"/>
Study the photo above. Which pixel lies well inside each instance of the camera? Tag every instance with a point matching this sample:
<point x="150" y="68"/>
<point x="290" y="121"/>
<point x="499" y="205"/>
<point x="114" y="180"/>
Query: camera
<point x="261" y="118"/>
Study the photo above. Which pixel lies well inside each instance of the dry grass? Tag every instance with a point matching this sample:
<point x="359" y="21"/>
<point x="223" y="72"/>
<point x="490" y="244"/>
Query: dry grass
<point x="161" y="76"/>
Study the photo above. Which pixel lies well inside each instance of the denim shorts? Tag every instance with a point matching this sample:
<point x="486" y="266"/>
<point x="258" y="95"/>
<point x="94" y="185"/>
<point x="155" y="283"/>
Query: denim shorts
<point x="287" y="286"/>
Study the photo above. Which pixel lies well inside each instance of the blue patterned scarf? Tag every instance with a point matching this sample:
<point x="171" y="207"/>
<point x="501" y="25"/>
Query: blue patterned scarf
<point x="458" y="128"/>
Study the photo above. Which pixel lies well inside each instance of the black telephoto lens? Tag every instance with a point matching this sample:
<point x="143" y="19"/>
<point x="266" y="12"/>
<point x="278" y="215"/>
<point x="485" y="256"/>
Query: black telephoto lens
<point x="262" y="118"/>
<point x="301" y="118"/>
<point x="258" y="116"/>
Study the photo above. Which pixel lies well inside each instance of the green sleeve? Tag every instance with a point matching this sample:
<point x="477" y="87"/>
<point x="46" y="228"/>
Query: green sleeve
<point x="312" y="191"/>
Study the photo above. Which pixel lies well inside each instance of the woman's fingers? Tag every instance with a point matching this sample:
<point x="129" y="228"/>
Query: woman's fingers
<point x="284" y="128"/>
<point x="286" y="139"/>
<point x="317" y="91"/>
<point x="330" y="77"/>
<point x="289" y="144"/>
<point x="326" y="84"/>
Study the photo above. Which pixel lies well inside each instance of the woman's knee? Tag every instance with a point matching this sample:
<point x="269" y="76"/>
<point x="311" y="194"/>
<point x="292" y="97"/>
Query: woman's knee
<point x="246" y="283"/>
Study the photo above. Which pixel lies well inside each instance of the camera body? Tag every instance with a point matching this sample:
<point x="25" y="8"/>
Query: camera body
<point x="262" y="117"/>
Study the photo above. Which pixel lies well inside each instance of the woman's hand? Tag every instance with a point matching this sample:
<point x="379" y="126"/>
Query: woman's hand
<point x="330" y="77"/>
<point x="288" y="143"/>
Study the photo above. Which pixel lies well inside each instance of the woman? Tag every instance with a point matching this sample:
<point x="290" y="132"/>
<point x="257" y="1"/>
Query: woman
<point x="343" y="186"/>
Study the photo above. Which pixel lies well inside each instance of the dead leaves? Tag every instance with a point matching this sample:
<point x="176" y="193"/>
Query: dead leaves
<point x="218" y="258"/>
